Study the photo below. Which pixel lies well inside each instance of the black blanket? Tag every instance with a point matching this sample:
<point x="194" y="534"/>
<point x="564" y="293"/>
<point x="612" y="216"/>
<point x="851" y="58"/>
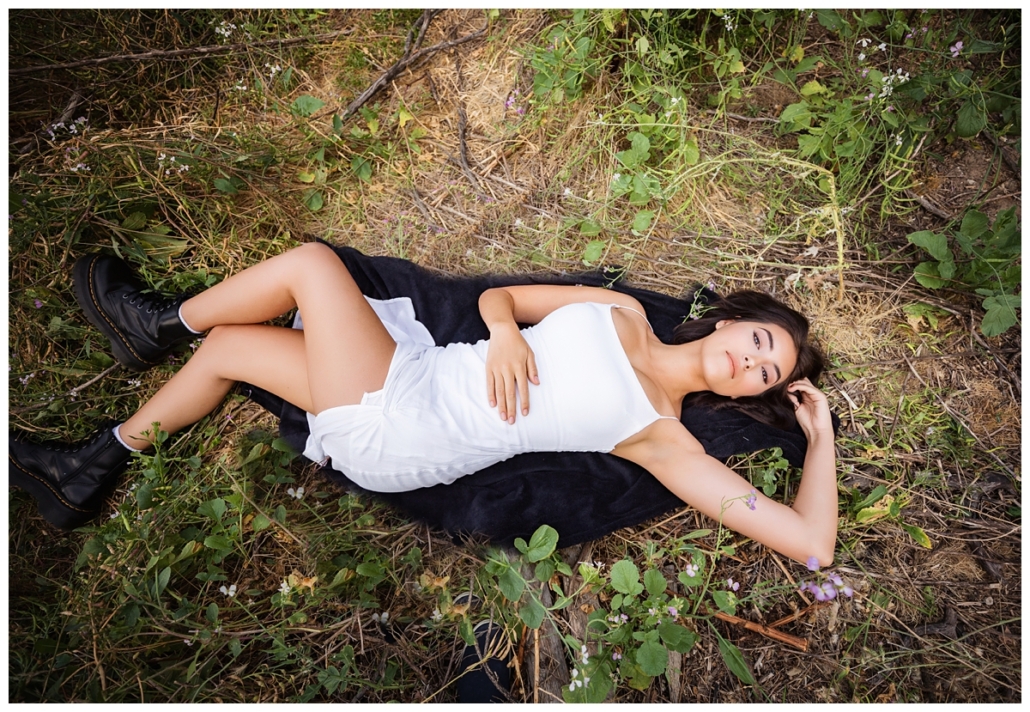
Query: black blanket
<point x="584" y="496"/>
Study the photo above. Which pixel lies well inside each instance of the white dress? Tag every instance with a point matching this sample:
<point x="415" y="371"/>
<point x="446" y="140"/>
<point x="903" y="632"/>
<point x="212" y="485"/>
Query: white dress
<point x="432" y="422"/>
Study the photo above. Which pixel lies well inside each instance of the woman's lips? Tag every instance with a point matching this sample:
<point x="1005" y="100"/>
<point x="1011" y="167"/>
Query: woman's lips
<point x="733" y="366"/>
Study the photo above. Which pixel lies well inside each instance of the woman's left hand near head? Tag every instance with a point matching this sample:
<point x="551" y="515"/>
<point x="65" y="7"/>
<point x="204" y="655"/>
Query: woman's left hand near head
<point x="813" y="412"/>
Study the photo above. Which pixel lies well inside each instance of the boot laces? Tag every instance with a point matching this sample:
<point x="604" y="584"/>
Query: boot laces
<point x="156" y="304"/>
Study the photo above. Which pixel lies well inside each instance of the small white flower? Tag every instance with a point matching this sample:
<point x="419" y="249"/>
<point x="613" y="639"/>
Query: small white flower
<point x="616" y="177"/>
<point x="284" y="587"/>
<point x="114" y="515"/>
<point x="518" y="222"/>
<point x="586" y="680"/>
<point x="296" y="493"/>
<point x="383" y="619"/>
<point x="189" y="643"/>
<point x="437" y="615"/>
<point x="882" y="47"/>
<point x="861" y="57"/>
<point x="230" y="592"/>
<point x="575" y="673"/>
<point x="567" y="192"/>
<point x="864" y="42"/>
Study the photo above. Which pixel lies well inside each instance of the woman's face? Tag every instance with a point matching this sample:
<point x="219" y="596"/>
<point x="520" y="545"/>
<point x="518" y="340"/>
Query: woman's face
<point x="746" y="358"/>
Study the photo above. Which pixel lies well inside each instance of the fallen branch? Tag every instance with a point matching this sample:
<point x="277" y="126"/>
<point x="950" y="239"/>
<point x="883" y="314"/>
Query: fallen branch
<point x="928" y="205"/>
<point x="177" y="53"/>
<point x="785" y="638"/>
<point x="408" y="61"/>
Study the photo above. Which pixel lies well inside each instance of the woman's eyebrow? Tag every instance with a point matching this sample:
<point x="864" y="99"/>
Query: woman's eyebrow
<point x="769" y="334"/>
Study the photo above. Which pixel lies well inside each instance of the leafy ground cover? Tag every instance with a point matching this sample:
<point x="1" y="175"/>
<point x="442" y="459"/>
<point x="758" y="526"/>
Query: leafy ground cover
<point x="861" y="165"/>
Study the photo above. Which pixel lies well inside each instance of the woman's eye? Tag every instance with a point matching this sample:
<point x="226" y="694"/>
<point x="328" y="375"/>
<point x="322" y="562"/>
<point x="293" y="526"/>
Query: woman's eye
<point x="765" y="376"/>
<point x="757" y="342"/>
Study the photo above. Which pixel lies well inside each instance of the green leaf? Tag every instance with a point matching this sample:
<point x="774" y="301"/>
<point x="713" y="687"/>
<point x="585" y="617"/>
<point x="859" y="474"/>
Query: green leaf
<point x="691" y="153"/>
<point x="305" y="177"/>
<point x="830" y="19"/>
<point x="313" y="199"/>
<point x="521" y="545"/>
<point x="226" y="186"/>
<point x="362" y="168"/>
<point x="677" y="637"/>
<point x="626" y="577"/>
<point x="812" y="87"/>
<point x="642" y="221"/>
<point x="697" y="534"/>
<point x="970" y="120"/>
<point x="653" y="658"/>
<point x="145" y="495"/>
<point x="213" y="509"/>
<point x="974" y="224"/>
<point x="306" y="105"/>
<point x="642" y="45"/>
<point x="726" y="601"/>
<point x="797" y="116"/>
<point x="511" y="584"/>
<point x="998" y="320"/>
<point x="218" y="543"/>
<point x="337" y="124"/>
<point x="734" y="660"/>
<point x="135" y="221"/>
<point x="466" y="631"/>
<point x="532" y="613"/>
<point x="1003" y="300"/>
<point x="918" y="535"/>
<point x="260" y="522"/>
<point x="593" y="251"/>
<point x="162" y="580"/>
<point x="808" y="145"/>
<point x="542" y="543"/>
<point x="654" y="582"/>
<point x="873" y="497"/>
<point x="927" y="275"/>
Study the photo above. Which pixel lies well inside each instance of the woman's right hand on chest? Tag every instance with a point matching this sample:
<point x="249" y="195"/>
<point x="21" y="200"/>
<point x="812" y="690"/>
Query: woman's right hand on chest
<point x="510" y="367"/>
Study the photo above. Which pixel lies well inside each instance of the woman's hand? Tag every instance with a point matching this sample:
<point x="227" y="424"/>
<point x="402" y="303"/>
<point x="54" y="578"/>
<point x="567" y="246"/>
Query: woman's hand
<point x="510" y="365"/>
<point x="812" y="412"/>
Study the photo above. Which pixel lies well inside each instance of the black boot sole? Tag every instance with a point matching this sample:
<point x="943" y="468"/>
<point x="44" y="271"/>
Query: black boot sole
<point x="53" y="508"/>
<point x="82" y="281"/>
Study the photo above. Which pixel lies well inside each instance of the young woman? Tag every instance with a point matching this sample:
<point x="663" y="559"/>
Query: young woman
<point x="394" y="412"/>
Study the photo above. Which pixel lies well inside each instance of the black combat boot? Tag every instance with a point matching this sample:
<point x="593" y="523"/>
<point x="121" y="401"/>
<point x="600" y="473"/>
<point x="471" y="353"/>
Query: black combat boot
<point x="68" y="481"/>
<point x="143" y="325"/>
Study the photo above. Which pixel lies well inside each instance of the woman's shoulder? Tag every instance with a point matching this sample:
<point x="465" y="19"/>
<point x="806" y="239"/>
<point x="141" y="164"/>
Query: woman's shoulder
<point x="665" y="438"/>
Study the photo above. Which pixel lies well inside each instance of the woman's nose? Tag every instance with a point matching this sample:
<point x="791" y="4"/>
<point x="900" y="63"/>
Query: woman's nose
<point x="748" y="363"/>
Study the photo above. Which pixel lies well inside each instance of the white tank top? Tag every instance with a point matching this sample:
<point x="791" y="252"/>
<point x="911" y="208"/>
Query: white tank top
<point x="432" y="421"/>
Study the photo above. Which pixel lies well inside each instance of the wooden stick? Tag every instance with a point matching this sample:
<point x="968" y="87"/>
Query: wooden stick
<point x="791" y="640"/>
<point x="403" y="64"/>
<point x="794" y="616"/>
<point x="177" y="53"/>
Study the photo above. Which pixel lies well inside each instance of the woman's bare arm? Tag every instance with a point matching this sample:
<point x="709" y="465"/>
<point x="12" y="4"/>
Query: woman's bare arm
<point x="510" y="364"/>
<point x="808" y="528"/>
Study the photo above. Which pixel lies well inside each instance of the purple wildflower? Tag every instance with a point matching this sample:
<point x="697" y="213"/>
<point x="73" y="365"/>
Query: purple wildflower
<point x="956" y="48"/>
<point x="616" y="655"/>
<point x="732" y="585"/>
<point x="672" y="611"/>
<point x="39" y="304"/>
<point x="751" y="499"/>
<point x="812" y="563"/>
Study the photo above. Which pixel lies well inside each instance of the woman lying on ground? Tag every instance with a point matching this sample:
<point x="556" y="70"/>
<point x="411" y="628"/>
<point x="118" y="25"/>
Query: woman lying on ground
<point x="396" y="414"/>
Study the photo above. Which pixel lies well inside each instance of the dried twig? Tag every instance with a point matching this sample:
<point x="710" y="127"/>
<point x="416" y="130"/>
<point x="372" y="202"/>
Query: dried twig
<point x="785" y="638"/>
<point x="928" y="205"/>
<point x="405" y="63"/>
<point x="177" y="53"/>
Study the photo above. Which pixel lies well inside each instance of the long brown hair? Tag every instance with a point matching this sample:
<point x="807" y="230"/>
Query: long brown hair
<point x="774" y="406"/>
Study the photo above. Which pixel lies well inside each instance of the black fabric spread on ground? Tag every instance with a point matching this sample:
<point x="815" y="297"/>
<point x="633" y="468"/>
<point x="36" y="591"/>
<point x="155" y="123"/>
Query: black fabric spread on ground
<point x="584" y="496"/>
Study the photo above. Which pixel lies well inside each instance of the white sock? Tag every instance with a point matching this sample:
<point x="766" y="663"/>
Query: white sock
<point x="118" y="437"/>
<point x="190" y="328"/>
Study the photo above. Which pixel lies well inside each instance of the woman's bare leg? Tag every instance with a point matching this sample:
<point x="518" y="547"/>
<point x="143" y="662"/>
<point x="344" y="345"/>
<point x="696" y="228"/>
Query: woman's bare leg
<point x="343" y="352"/>
<point x="270" y="357"/>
